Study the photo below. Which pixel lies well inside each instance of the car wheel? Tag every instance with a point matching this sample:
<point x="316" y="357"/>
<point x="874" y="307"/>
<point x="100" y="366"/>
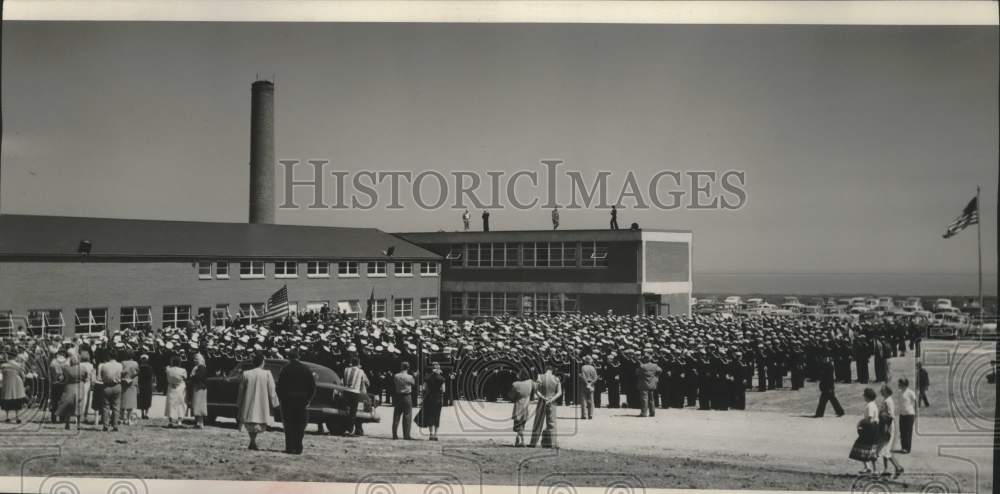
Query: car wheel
<point x="337" y="426"/>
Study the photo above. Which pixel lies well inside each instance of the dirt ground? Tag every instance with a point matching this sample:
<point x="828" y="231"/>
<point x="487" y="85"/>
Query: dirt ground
<point x="776" y="444"/>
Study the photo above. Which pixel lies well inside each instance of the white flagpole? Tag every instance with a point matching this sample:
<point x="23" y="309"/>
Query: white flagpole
<point x="979" y="245"/>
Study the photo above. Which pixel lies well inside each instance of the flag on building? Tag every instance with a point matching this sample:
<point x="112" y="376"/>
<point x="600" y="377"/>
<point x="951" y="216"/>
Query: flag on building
<point x="277" y="305"/>
<point x="969" y="216"/>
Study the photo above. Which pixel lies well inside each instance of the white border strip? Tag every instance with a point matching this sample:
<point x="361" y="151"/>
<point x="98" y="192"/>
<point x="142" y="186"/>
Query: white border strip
<point x="851" y="12"/>
<point x="101" y="485"/>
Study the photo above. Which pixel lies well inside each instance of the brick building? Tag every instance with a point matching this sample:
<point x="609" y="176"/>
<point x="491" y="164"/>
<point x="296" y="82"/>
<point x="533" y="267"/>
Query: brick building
<point x="167" y="273"/>
<point x="524" y="272"/>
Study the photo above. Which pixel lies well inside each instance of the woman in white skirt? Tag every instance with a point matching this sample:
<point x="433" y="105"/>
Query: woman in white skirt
<point x="176" y="393"/>
<point x="887" y="419"/>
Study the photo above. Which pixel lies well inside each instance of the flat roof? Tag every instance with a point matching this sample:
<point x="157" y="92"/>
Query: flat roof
<point x="603" y="235"/>
<point x="59" y="236"/>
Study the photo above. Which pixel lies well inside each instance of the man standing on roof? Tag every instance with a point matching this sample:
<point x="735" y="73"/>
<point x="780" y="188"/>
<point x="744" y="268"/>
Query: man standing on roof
<point x="466" y="219"/>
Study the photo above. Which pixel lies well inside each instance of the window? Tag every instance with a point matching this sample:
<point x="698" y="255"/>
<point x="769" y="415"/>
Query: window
<point x="347" y="268"/>
<point x="550" y="254"/>
<point x="204" y="270"/>
<point x="317" y="305"/>
<point x="89" y="321"/>
<point x="595" y="255"/>
<point x="485" y="255"/>
<point x="378" y="310"/>
<point x="135" y="318"/>
<point x="6" y="323"/>
<point x="478" y="304"/>
<point x="457" y="305"/>
<point x="429" y="269"/>
<point x="550" y="303"/>
<point x="402" y="268"/>
<point x="220" y="315"/>
<point x="252" y="309"/>
<point x="349" y="306"/>
<point x="429" y="307"/>
<point x="251" y="269"/>
<point x="44" y="321"/>
<point x="222" y="270"/>
<point x="402" y="307"/>
<point x="317" y="269"/>
<point x="376" y="268"/>
<point x="455" y="255"/>
<point x="176" y="316"/>
<point x="286" y="269"/>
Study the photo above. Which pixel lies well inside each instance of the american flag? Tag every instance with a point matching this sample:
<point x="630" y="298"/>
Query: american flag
<point x="277" y="305"/>
<point x="969" y="216"/>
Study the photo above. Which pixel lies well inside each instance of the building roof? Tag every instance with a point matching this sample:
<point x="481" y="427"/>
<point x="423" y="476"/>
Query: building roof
<point x="603" y="235"/>
<point x="59" y="236"/>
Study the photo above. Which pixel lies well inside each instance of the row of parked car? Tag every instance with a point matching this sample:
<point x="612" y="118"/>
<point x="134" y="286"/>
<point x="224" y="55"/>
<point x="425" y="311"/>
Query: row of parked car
<point x="942" y="319"/>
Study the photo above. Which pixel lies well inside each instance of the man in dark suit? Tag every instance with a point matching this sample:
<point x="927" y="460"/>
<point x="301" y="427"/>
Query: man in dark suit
<point x="295" y="387"/>
<point x="826" y="390"/>
<point x="612" y="379"/>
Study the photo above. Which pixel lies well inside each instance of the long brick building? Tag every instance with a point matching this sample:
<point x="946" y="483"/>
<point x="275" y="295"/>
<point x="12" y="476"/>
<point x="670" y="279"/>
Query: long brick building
<point x="143" y="273"/>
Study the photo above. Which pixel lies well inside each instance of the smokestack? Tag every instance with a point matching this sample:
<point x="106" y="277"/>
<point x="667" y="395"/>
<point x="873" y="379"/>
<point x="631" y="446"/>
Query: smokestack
<point x="262" y="152"/>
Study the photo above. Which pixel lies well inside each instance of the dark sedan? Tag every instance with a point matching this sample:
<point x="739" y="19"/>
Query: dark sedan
<point x="328" y="405"/>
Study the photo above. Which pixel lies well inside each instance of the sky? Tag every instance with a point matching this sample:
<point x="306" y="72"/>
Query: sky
<point x="860" y="144"/>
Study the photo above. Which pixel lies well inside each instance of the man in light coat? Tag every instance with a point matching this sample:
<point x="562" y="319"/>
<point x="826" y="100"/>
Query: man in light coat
<point x="356" y="379"/>
<point x="257" y="398"/>
<point x="588" y="376"/>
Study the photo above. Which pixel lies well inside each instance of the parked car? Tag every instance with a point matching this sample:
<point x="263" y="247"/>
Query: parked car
<point x="941" y="304"/>
<point x="913" y="304"/>
<point x="328" y="405"/>
<point x="733" y="300"/>
<point x="948" y="325"/>
<point x="982" y="329"/>
<point x="886" y="302"/>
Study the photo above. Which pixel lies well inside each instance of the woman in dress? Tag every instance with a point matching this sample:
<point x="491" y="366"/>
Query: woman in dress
<point x="77" y="384"/>
<point x="430" y="413"/>
<point x="13" y="397"/>
<point x="198" y="388"/>
<point x="130" y="387"/>
<point x="865" y="448"/>
<point x="521" y="393"/>
<point x="176" y="405"/>
<point x="86" y="370"/>
<point x="145" y="385"/>
<point x="887" y="420"/>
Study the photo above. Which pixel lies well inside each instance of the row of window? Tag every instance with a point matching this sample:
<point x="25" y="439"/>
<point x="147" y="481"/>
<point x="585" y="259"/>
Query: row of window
<point x="477" y="304"/>
<point x="529" y="254"/>
<point x="314" y="269"/>
<point x="95" y="320"/>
